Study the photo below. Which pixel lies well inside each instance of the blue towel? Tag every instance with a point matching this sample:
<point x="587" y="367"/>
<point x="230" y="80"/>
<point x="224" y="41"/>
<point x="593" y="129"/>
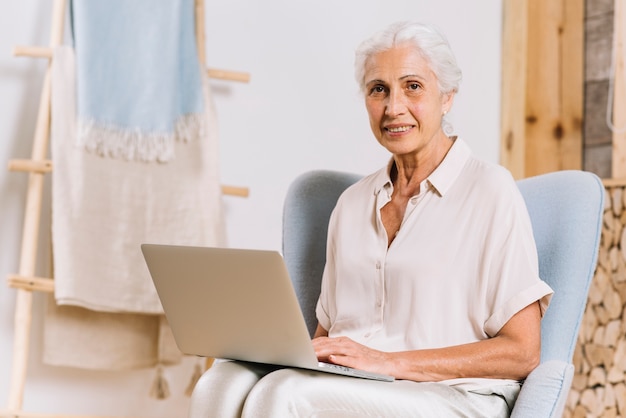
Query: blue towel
<point x="139" y="86"/>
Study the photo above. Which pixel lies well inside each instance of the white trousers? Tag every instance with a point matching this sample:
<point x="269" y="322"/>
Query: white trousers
<point x="236" y="389"/>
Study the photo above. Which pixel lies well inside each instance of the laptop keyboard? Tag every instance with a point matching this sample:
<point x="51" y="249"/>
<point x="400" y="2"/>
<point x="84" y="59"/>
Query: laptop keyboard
<point x="336" y="367"/>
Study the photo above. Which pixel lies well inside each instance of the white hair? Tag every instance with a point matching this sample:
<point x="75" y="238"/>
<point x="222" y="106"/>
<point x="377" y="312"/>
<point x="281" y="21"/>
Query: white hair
<point x="426" y="39"/>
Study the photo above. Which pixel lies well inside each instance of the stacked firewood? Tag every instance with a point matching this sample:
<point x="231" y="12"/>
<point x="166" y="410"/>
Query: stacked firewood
<point x="599" y="385"/>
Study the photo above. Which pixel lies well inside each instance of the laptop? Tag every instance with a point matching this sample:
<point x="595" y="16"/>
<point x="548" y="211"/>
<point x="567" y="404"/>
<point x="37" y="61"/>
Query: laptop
<point x="236" y="304"/>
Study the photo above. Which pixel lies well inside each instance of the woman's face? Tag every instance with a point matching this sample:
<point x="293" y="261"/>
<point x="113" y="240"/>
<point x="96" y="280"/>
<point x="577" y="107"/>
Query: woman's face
<point x="403" y="101"/>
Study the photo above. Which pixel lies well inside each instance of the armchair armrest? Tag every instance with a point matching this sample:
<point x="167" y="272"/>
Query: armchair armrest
<point x="545" y="391"/>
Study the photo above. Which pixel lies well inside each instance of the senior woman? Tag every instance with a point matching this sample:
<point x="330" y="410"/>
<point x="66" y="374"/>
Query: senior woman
<point x="431" y="273"/>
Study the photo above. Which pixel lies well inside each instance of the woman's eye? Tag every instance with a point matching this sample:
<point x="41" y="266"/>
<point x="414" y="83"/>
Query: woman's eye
<point x="377" y="89"/>
<point x="414" y="86"/>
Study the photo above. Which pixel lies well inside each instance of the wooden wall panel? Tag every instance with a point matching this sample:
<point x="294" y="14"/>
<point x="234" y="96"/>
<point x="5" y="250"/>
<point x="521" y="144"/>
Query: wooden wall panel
<point x="514" y="63"/>
<point x="542" y="86"/>
<point x="619" y="93"/>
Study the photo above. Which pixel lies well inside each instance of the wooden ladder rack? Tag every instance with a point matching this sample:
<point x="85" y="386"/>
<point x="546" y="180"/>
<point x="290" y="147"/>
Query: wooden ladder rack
<point x="25" y="282"/>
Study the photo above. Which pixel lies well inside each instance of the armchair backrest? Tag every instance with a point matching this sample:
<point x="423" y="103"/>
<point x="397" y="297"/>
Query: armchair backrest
<point x="566" y="209"/>
<point x="566" y="213"/>
<point x="310" y="200"/>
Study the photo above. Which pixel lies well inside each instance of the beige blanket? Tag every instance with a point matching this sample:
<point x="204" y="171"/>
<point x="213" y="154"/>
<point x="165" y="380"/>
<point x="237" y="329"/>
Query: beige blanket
<point x="109" y="315"/>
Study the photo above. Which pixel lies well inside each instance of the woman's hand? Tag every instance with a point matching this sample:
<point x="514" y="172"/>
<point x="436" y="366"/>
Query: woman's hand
<point x="512" y="354"/>
<point x="346" y="352"/>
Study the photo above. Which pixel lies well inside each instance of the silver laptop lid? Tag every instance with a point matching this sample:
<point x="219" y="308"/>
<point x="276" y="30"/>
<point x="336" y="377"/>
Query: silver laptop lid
<point x="230" y="303"/>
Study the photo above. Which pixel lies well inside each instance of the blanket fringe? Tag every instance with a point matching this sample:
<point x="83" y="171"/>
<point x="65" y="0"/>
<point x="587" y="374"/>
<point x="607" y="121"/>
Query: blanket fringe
<point x="197" y="373"/>
<point x="160" y="388"/>
<point x="133" y="144"/>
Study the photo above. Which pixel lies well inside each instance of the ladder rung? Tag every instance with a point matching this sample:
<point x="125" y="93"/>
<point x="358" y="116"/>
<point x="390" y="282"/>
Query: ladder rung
<point x="33" y="51"/>
<point x="42" y="166"/>
<point x="38" y="284"/>
<point x="235" y="191"/>
<point x="45" y="52"/>
<point x="23" y="414"/>
<point x="45" y="166"/>
<point x="228" y="75"/>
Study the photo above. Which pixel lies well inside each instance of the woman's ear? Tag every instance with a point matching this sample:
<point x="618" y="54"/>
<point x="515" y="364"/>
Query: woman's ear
<point x="448" y="99"/>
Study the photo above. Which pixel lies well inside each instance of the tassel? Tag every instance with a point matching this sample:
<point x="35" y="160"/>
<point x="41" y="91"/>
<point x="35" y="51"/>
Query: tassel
<point x="160" y="389"/>
<point x="197" y="373"/>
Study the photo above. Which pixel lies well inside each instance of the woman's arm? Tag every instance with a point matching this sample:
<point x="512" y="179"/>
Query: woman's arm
<point x="512" y="354"/>
<point x="320" y="332"/>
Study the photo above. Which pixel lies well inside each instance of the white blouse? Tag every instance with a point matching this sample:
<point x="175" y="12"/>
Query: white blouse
<point x="463" y="263"/>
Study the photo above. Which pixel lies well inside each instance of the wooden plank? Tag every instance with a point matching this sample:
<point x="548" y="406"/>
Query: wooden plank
<point x="229" y="75"/>
<point x="44" y="166"/>
<point x="200" y="44"/>
<point x="32" y="217"/>
<point x="513" y="93"/>
<point x="32" y="51"/>
<point x="555" y="86"/>
<point x="236" y="191"/>
<point x="572" y="86"/>
<point x="619" y="92"/>
<point x="200" y="33"/>
<point x="542" y="91"/>
<point x="38" y="284"/>
<point x="614" y="182"/>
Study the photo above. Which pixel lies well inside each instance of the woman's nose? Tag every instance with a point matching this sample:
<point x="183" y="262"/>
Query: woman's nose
<point x="395" y="104"/>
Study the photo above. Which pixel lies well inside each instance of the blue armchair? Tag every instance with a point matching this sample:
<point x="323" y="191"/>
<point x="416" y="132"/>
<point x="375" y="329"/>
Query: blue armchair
<point x="566" y="212"/>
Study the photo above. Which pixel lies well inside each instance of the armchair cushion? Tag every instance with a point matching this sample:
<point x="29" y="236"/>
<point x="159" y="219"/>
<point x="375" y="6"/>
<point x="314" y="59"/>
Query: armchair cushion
<point x="549" y="381"/>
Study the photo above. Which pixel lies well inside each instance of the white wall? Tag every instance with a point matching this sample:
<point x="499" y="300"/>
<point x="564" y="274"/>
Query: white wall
<point x="300" y="111"/>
